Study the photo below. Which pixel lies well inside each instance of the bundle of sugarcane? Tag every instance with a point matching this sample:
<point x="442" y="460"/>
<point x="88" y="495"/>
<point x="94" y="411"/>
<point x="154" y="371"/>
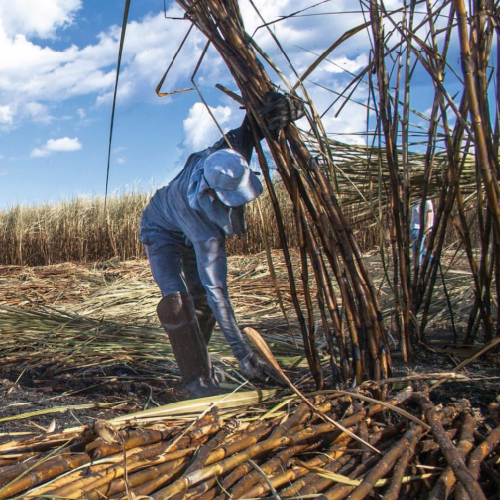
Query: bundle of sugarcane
<point x="251" y="449"/>
<point x="325" y="238"/>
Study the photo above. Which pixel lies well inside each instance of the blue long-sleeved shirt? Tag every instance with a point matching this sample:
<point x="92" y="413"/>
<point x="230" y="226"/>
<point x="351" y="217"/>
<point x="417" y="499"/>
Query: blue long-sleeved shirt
<point x="183" y="207"/>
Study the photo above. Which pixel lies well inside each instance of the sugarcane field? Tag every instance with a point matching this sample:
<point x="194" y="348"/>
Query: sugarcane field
<point x="250" y="249"/>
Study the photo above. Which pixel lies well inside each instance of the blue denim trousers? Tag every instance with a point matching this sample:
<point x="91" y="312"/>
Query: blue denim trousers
<point x="414" y="244"/>
<point x="172" y="260"/>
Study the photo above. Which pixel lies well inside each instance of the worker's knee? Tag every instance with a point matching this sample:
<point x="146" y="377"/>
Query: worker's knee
<point x="174" y="309"/>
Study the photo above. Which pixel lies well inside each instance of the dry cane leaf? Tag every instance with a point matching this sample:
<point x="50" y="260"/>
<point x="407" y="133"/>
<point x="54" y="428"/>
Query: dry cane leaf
<point x="52" y="426"/>
<point x="107" y="432"/>
<point x="339" y="478"/>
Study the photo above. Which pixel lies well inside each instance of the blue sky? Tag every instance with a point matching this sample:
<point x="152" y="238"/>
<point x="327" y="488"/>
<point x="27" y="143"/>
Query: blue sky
<point x="57" y="70"/>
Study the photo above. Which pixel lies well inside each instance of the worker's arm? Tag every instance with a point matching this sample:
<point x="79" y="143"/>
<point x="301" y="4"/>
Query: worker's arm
<point x="212" y="268"/>
<point x="277" y="112"/>
<point x="241" y="140"/>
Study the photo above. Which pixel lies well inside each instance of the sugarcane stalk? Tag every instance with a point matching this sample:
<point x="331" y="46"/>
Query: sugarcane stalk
<point x="488" y="172"/>
<point x="311" y="483"/>
<point x="483" y="450"/>
<point x="387" y="433"/>
<point x="11" y="473"/>
<point x="240" y="444"/>
<point x="299" y="416"/>
<point x="59" y="465"/>
<point x="447" y="479"/>
<point x="321" y="274"/>
<point x="301" y="225"/>
<point x="68" y="478"/>
<point x="341" y="491"/>
<point x="399" y="215"/>
<point x="349" y="307"/>
<point x="247" y="485"/>
<point x="386" y="463"/>
<point x="136" y="479"/>
<point x="37" y="445"/>
<point x="130" y="439"/>
<point x="449" y="450"/>
<point x="201" y="457"/>
<point x="224" y="466"/>
<point x="156" y="478"/>
<point x="293" y="473"/>
<point x="44" y="472"/>
<point x="364" y="434"/>
<point x="201" y="490"/>
<point x="82" y="487"/>
<point x="399" y="472"/>
<point x="286" y="252"/>
<point x="229" y="39"/>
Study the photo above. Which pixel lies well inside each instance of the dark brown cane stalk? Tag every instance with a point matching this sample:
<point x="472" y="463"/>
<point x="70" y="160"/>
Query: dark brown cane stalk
<point x="341" y="491"/>
<point x="313" y="363"/>
<point x="312" y="483"/>
<point x="489" y="172"/>
<point x="386" y="463"/>
<point x="452" y="455"/>
<point x="400" y="240"/>
<point x="447" y="479"/>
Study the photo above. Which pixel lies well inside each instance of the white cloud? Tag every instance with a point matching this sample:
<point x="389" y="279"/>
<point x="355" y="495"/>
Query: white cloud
<point x="35" y="17"/>
<point x="62" y="145"/>
<point x="38" y="112"/>
<point x="121" y="160"/>
<point x="44" y="76"/>
<point x="343" y="64"/>
<point x="6" y="115"/>
<point x="39" y="73"/>
<point x="200" y="131"/>
<point x="3" y="172"/>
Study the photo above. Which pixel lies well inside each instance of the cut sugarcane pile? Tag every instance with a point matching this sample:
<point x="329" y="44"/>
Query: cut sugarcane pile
<point x="280" y="449"/>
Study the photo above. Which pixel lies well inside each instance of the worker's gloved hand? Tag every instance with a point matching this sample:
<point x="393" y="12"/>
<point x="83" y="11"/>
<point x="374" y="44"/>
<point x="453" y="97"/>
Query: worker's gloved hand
<point x="280" y="109"/>
<point x="254" y="368"/>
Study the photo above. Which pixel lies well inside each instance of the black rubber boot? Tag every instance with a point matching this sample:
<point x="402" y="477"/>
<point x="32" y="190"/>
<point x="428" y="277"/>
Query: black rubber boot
<point x="205" y="317"/>
<point x="178" y="317"/>
<point x="206" y="320"/>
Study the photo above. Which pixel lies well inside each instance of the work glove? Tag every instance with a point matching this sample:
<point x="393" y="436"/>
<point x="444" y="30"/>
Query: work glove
<point x="254" y="368"/>
<point x="280" y="109"/>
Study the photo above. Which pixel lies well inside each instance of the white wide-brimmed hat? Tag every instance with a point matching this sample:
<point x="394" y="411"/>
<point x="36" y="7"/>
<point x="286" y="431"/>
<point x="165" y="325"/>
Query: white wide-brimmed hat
<point x="228" y="174"/>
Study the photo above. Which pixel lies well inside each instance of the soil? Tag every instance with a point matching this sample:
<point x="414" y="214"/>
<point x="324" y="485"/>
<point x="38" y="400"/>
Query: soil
<point x="39" y="398"/>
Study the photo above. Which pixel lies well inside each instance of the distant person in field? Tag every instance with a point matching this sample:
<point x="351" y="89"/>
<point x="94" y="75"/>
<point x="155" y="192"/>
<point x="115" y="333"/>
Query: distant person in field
<point x="415" y="222"/>
<point x="184" y="229"/>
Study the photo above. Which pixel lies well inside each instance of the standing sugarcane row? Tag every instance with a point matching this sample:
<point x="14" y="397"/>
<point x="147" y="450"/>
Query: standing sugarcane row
<point x="325" y="238"/>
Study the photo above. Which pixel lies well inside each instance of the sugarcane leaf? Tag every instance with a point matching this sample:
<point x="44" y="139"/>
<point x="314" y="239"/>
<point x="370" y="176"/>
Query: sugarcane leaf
<point x="345" y="36"/>
<point x="339" y="478"/>
<point x="57" y="409"/>
<point x="196" y="406"/>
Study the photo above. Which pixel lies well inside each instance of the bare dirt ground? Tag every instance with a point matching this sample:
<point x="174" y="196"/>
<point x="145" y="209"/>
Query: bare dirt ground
<point x="38" y="394"/>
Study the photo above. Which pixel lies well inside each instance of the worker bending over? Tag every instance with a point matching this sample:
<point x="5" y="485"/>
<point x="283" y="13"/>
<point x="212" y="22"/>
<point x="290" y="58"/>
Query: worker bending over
<point x="184" y="229"/>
